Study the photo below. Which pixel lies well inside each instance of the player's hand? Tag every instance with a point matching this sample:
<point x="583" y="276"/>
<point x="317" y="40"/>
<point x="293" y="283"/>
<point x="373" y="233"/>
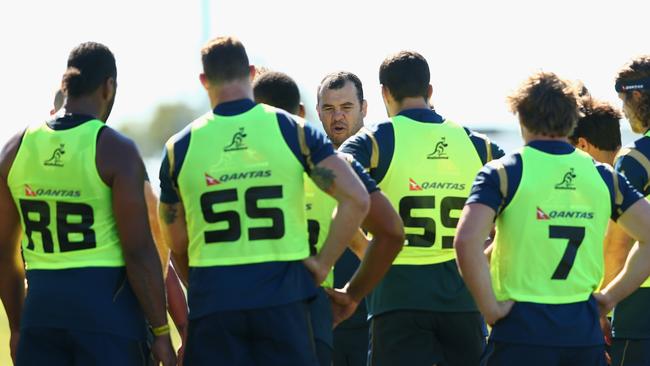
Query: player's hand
<point x="606" y="326"/>
<point x="163" y="351"/>
<point x="13" y="345"/>
<point x="501" y="310"/>
<point x="318" y="271"/>
<point x="605" y="303"/>
<point x="343" y="305"/>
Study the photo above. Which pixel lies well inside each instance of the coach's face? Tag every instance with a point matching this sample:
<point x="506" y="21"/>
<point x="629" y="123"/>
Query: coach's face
<point x="341" y="112"/>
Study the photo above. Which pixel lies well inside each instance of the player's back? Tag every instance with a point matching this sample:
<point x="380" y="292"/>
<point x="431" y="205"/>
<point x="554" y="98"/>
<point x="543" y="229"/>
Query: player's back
<point x="74" y="261"/>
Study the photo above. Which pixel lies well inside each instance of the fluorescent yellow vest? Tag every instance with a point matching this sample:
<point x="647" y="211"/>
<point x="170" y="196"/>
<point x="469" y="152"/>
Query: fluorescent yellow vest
<point x="428" y="181"/>
<point x="66" y="209"/>
<point x="548" y="247"/>
<point x="243" y="192"/>
<point x="319" y="209"/>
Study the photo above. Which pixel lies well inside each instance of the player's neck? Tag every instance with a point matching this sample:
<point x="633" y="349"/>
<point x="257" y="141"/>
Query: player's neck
<point x="83" y="105"/>
<point x="230" y="92"/>
<point x="408" y="103"/>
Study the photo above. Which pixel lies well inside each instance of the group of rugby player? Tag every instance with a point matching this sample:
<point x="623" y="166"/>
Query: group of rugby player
<point x="409" y="240"/>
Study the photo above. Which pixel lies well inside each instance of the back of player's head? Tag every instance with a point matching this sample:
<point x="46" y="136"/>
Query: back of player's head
<point x="337" y="80"/>
<point x="635" y="77"/>
<point x="600" y="125"/>
<point x="546" y="105"/>
<point x="405" y="74"/>
<point x="89" y="65"/>
<point x="224" y="59"/>
<point x="277" y="89"/>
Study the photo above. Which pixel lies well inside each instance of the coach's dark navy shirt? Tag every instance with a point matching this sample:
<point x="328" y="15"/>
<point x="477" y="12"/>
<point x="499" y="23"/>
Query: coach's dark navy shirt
<point x="573" y="324"/>
<point x="434" y="287"/>
<point x="248" y="286"/>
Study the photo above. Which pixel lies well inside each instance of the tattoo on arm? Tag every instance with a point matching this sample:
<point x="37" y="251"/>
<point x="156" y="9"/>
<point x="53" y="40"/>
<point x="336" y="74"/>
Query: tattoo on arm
<point x="170" y="213"/>
<point x="323" y="177"/>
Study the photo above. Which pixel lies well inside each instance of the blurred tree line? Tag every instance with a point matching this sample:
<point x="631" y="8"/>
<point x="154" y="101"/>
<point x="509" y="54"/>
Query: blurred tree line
<point x="166" y="120"/>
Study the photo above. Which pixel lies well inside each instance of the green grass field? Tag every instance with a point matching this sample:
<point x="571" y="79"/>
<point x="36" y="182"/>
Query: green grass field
<point x="5" y="359"/>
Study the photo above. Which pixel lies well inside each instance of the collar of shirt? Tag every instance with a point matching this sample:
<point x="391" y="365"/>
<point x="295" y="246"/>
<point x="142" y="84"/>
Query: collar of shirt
<point x="552" y="147"/>
<point x="234" y="107"/>
<point x="422" y="115"/>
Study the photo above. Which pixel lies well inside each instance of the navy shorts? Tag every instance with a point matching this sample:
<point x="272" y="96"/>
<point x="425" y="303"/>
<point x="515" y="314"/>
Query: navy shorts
<point x="630" y="352"/>
<point x="351" y="346"/>
<point x="513" y="354"/>
<point x="279" y="335"/>
<point x="320" y="312"/>
<point x="62" y="347"/>
<point x="424" y="338"/>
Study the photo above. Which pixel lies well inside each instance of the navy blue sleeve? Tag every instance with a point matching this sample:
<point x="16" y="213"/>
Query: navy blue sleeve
<point x="366" y="179"/>
<point x="628" y="192"/>
<point x="168" y="193"/>
<point x="497" y="152"/>
<point x="169" y="175"/>
<point x="486" y="186"/>
<point x="318" y="144"/>
<point x="360" y="147"/>
<point x="633" y="171"/>
<point x="480" y="144"/>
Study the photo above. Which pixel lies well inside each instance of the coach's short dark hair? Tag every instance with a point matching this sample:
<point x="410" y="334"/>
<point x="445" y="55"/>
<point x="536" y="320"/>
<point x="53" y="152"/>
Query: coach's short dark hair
<point x="600" y="125"/>
<point x="89" y="65"/>
<point x="224" y="59"/>
<point x="405" y="74"/>
<point x="277" y="89"/>
<point x="546" y="104"/>
<point x="337" y="80"/>
<point x="637" y="68"/>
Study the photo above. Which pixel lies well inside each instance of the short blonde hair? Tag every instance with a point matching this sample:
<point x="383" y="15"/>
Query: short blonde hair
<point x="546" y="105"/>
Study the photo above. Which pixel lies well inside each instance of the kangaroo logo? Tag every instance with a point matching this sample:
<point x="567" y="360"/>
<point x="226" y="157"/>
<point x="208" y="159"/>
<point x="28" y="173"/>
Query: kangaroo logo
<point x="57" y="156"/>
<point x="237" y="142"/>
<point x="567" y="181"/>
<point x="439" y="152"/>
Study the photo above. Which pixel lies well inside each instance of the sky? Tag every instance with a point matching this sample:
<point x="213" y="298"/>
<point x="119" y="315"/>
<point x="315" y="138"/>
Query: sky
<point x="478" y="51"/>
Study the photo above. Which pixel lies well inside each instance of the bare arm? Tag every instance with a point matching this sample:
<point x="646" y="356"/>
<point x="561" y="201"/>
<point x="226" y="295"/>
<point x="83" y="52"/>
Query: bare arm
<point x="474" y="226"/>
<point x="335" y="176"/>
<point x="636" y="269"/>
<point x="359" y="243"/>
<point x="12" y="273"/>
<point x="617" y="246"/>
<point x="174" y="232"/>
<point x="124" y="173"/>
<point x="387" y="241"/>
<point x="152" y="213"/>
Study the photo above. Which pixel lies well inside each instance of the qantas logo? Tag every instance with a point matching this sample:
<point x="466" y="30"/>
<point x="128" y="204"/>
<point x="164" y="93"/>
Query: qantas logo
<point x="541" y="215"/>
<point x="413" y="186"/>
<point x="29" y="192"/>
<point x="210" y="181"/>
<point x="558" y="214"/>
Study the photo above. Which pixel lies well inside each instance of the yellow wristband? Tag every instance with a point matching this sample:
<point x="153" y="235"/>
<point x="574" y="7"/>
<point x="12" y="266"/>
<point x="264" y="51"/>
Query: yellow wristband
<point x="161" y="330"/>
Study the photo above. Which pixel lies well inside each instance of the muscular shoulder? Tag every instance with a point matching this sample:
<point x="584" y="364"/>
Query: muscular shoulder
<point x="116" y="154"/>
<point x="8" y="153"/>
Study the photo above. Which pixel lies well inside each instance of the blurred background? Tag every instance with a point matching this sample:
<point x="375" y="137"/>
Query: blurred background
<point x="478" y="52"/>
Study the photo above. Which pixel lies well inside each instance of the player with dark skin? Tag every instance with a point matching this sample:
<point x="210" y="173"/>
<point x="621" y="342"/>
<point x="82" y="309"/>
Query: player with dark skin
<point x="124" y="173"/>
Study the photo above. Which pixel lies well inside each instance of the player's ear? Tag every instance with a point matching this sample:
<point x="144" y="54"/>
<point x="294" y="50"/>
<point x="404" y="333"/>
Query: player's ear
<point x="583" y="144"/>
<point x="429" y="92"/>
<point x="204" y="81"/>
<point x="108" y="88"/>
<point x="252" y="72"/>
<point x="364" y="108"/>
<point x="301" y="110"/>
